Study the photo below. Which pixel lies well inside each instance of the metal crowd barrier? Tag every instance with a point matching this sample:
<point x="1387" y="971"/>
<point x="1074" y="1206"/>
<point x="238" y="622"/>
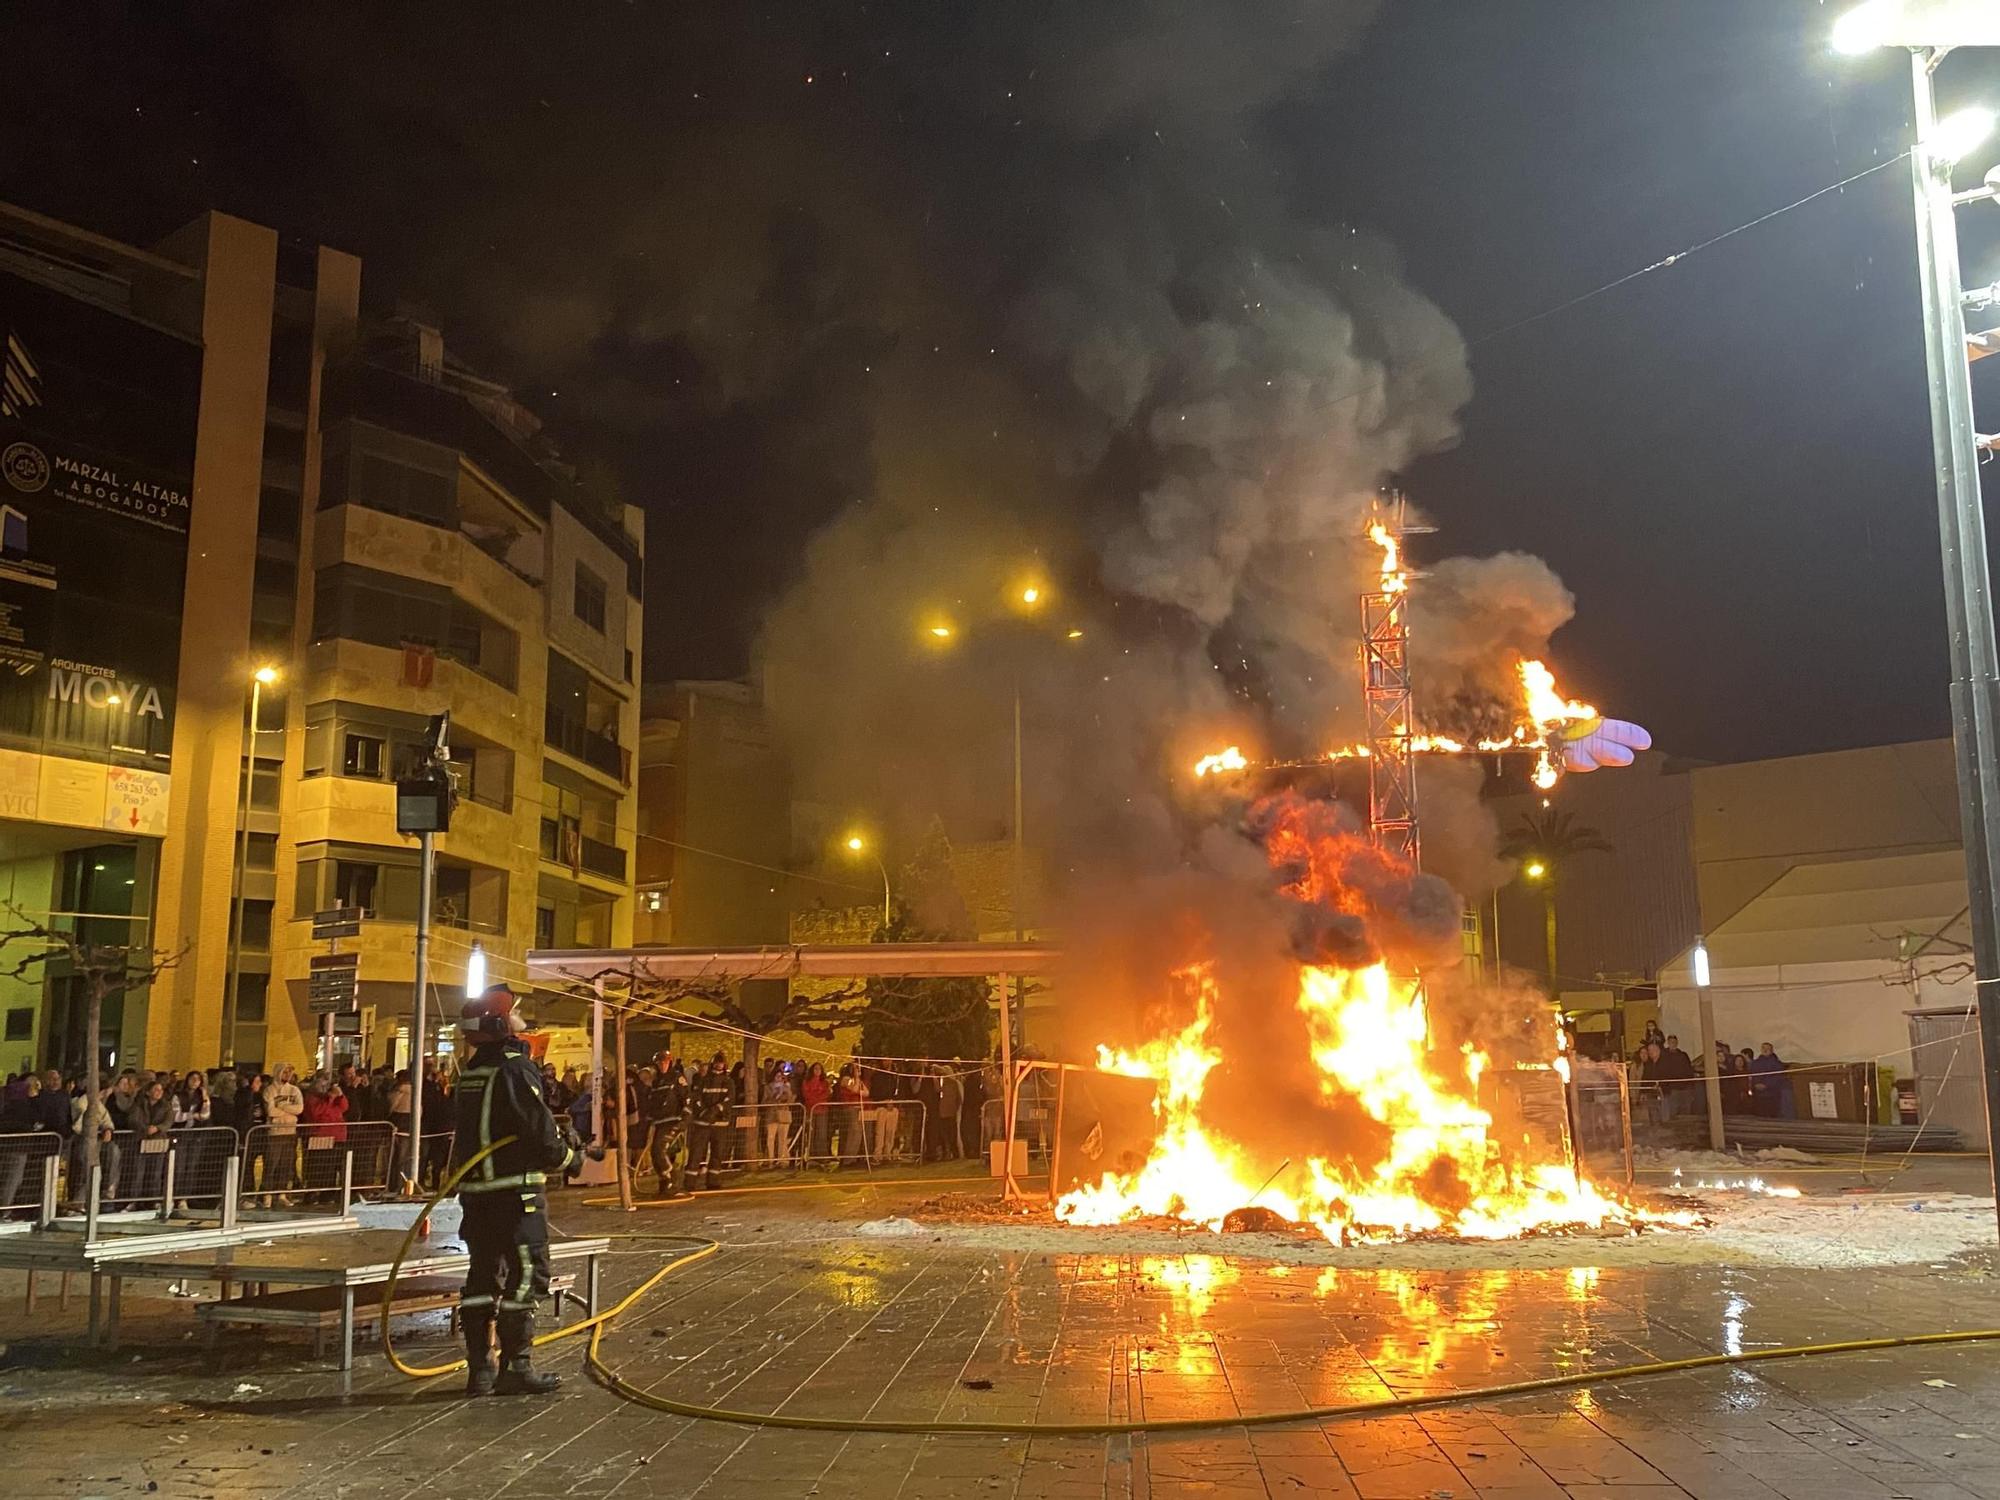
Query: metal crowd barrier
<point x="434" y="1164"/>
<point x="169" y="1171"/>
<point x="22" y="1168"/>
<point x="1034" y="1122"/>
<point x="316" y="1165"/>
<point x="874" y="1132"/>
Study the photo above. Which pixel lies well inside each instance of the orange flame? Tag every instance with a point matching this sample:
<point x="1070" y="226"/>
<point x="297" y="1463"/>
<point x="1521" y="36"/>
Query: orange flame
<point x="1231" y="759"/>
<point x="1442" y="1170"/>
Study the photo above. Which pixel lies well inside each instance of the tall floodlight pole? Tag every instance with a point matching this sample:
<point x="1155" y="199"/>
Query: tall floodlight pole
<point x="240" y="863"/>
<point x="423" y="807"/>
<point x="1930" y="29"/>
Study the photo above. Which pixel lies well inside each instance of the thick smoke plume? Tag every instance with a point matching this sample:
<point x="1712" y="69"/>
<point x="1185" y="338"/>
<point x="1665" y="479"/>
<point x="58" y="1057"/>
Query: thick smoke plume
<point x="969" y="295"/>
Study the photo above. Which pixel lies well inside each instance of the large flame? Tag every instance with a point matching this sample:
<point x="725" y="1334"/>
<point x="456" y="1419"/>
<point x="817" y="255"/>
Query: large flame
<point x="1542" y="717"/>
<point x="1441" y="1171"/>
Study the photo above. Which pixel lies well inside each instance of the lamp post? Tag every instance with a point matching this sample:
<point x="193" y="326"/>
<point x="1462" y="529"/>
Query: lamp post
<point x="1537" y="871"/>
<point x="1931" y="29"/>
<point x="260" y="679"/>
<point x="1712" y="1069"/>
<point x="856" y="844"/>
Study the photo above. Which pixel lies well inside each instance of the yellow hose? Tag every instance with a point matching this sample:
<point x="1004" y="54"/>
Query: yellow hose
<point x="590" y="1324"/>
<point x="618" y="1385"/>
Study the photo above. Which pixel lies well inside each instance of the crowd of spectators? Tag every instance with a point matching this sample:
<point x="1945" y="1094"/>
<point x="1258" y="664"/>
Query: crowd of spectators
<point x="1668" y="1084"/>
<point x="786" y="1113"/>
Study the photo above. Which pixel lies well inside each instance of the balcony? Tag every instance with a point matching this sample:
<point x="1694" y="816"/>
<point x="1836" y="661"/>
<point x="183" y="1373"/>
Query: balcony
<point x="600" y="752"/>
<point x="563" y="843"/>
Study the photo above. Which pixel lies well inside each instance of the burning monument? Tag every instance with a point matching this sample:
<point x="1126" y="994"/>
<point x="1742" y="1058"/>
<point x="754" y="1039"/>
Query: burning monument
<point x="1408" y="1143"/>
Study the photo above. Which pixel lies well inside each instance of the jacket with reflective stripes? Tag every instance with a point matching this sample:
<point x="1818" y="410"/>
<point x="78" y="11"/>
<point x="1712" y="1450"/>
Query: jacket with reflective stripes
<point x="499" y="1094"/>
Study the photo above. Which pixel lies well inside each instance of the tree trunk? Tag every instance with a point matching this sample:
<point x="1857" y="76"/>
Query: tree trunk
<point x="93" y="1024"/>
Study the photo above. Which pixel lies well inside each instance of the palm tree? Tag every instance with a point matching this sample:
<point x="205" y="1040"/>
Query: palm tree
<point x="1545" y="842"/>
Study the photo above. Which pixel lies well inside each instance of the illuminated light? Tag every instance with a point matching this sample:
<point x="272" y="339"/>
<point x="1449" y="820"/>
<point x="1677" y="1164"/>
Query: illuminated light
<point x="857" y="843"/>
<point x="113" y="701"/>
<point x="941" y="632"/>
<point x="1031" y="595"/>
<point x="475" y="971"/>
<point x="1698" y="960"/>
<point x="1960" y="132"/>
<point x="1534" y="869"/>
<point x="266" y="675"/>
<point x="1075" y="635"/>
<point x="1864" y="28"/>
<point x="1231" y="759"/>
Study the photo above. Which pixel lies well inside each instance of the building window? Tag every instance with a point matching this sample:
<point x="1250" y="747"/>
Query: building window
<point x="21" y="1023"/>
<point x="253" y="993"/>
<point x="354" y="884"/>
<point x="590" y="598"/>
<point x="363" y="757"/>
<point x="545" y="927"/>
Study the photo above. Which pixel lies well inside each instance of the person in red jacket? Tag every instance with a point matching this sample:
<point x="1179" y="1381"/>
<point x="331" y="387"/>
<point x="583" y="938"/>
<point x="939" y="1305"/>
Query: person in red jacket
<point x="323" y="1132"/>
<point x="813" y="1094"/>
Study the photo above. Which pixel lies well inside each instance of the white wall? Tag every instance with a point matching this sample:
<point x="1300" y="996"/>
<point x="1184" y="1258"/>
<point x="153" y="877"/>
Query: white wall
<point x="1825" y="1012"/>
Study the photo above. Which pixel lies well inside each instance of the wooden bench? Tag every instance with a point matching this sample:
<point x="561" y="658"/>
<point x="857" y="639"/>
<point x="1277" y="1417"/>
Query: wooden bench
<point x="318" y="1308"/>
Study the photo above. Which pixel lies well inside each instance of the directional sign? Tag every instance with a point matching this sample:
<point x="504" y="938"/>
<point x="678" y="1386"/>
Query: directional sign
<point x="337" y="922"/>
<point x="335" y="962"/>
<point x="332" y="1005"/>
<point x="320" y="988"/>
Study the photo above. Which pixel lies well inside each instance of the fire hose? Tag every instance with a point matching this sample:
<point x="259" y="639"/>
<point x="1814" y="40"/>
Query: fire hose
<point x="701" y="1249"/>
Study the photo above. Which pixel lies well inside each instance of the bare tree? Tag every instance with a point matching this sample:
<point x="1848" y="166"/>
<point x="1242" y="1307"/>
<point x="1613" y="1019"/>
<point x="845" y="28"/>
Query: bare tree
<point x="704" y="999"/>
<point x="104" y="969"/>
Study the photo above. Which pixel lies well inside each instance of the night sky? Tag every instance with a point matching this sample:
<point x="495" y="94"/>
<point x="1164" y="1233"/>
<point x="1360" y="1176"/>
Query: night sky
<point x="780" y="262"/>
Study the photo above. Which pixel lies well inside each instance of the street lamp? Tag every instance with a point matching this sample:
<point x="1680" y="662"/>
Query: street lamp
<point x="1026" y="596"/>
<point x="475" y="972"/>
<point x="856" y="844"/>
<point x="1930" y="30"/>
<point x="260" y="679"/>
<point x="1712" y="1068"/>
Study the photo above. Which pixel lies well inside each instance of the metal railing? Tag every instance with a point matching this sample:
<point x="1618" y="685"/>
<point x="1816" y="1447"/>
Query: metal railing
<point x="21" y="1170"/>
<point x="435" y="1163"/>
<point x="171" y="1170"/>
<point x="317" y="1165"/>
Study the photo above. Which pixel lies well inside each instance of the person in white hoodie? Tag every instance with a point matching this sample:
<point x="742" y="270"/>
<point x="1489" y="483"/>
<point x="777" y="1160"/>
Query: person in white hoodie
<point x="284" y="1103"/>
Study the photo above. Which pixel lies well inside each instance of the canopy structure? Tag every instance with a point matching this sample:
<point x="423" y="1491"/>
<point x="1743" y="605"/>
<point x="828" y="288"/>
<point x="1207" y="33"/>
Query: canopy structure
<point x="604" y="968"/>
<point x="561" y="967"/>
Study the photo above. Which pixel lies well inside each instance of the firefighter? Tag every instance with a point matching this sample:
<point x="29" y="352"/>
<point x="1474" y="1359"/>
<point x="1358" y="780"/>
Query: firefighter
<point x="712" y="1102"/>
<point x="506" y="1221"/>
<point x="666" y="1112"/>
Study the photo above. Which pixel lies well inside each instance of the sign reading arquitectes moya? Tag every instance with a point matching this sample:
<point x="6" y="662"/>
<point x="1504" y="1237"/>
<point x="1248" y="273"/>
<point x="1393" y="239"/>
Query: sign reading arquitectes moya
<point x="97" y="437"/>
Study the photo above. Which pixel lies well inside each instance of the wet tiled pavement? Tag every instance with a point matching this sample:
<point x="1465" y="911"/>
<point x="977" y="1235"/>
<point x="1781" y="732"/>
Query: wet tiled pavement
<point x="791" y="1318"/>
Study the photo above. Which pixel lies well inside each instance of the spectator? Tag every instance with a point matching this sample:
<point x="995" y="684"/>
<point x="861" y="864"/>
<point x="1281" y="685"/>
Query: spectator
<point x="93" y="1142"/>
<point x="583" y="1097"/>
<point x="196" y="1167"/>
<point x="880" y="1114"/>
<point x="152" y="1116"/>
<point x="1676" y="1078"/>
<point x="51" y="1107"/>
<point x="849" y="1096"/>
<point x="951" y="1112"/>
<point x="436" y="1125"/>
<point x="1770" y="1087"/>
<point x="399" y="1108"/>
<point x="284" y="1102"/>
<point x="324" y="1118"/>
<point x="776" y="1114"/>
<point x="815" y="1095"/>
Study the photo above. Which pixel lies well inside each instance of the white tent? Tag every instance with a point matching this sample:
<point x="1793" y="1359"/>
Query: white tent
<point x="1826" y="960"/>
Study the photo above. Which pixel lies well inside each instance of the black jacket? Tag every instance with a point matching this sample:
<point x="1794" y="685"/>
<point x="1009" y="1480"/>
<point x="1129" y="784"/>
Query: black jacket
<point x="499" y="1094"/>
<point x="713" y="1096"/>
<point x="665" y="1102"/>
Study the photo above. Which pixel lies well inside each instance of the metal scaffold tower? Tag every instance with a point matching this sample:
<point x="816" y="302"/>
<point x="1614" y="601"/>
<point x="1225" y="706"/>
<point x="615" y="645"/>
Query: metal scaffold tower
<point x="1391" y="713"/>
